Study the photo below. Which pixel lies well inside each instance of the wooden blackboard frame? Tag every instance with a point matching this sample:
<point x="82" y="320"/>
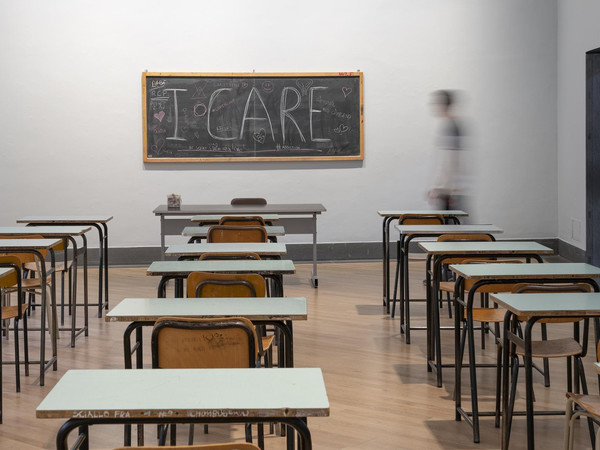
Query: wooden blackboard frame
<point x="153" y="159"/>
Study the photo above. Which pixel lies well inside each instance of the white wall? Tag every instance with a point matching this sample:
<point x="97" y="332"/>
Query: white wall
<point x="578" y="32"/>
<point x="71" y="115"/>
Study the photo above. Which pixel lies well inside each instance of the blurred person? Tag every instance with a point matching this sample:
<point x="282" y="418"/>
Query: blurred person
<point x="448" y="187"/>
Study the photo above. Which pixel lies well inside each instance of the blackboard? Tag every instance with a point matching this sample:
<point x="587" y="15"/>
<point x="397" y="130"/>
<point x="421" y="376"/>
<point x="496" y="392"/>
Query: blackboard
<point x="196" y="117"/>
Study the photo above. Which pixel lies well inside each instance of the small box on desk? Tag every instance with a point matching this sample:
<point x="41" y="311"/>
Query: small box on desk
<point x="173" y="201"/>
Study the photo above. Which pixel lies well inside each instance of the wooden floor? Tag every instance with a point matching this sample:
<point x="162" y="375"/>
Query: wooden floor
<point x="380" y="393"/>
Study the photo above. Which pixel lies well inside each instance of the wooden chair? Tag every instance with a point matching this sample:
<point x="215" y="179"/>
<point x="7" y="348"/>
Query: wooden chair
<point x="64" y="266"/>
<point x="248" y="201"/>
<point x="180" y="343"/>
<point x="568" y="348"/>
<point x="554" y="345"/>
<point x="228" y="446"/>
<point x="579" y="405"/>
<point x="408" y="219"/>
<point x="203" y="284"/>
<point x="33" y="286"/>
<point x="484" y="315"/>
<point x="448" y="286"/>
<point x="8" y="284"/>
<point x="247" y="221"/>
<point x="230" y="233"/>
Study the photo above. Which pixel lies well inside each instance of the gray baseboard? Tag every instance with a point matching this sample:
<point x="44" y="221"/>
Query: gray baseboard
<point x="351" y="251"/>
<point x="570" y="252"/>
<point x="137" y="256"/>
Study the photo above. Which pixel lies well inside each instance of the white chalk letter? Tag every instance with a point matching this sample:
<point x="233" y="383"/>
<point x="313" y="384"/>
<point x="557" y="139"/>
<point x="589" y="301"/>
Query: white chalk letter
<point x="175" y="137"/>
<point x="285" y="112"/>
<point x="311" y="111"/>
<point x="210" y="102"/>
<point x="245" y="117"/>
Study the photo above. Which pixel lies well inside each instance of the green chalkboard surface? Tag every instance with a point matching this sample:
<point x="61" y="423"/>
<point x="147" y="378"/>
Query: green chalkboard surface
<point x="197" y="117"/>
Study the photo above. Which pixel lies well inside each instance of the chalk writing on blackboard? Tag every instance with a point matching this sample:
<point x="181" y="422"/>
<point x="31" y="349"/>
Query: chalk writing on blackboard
<point x="207" y="117"/>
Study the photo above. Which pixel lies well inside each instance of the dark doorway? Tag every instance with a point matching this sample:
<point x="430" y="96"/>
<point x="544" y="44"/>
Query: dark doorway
<point x="592" y="187"/>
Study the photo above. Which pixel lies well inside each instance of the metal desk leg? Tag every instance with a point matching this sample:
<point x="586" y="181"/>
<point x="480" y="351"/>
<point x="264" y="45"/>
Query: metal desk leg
<point x="1" y="364"/>
<point x="384" y="260"/>
<point x="179" y="287"/>
<point x="54" y="311"/>
<point x="162" y="288"/>
<point x="314" y="278"/>
<point x="529" y="384"/>
<point x="54" y="319"/>
<point x="162" y="284"/>
<point x="162" y="237"/>
<point x="100" y="267"/>
<point x="43" y="314"/>
<point x="74" y="297"/>
<point x="457" y="353"/>
<point x="105" y="266"/>
<point x="429" y="311"/>
<point x="127" y="351"/>
<point x="472" y="364"/>
<point x="404" y="293"/>
<point x="436" y="326"/>
<point x="505" y="358"/>
<point x="85" y="284"/>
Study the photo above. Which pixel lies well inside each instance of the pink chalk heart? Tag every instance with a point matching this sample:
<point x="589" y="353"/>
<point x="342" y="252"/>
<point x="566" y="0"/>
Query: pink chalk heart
<point x="160" y="116"/>
<point x="346" y="91"/>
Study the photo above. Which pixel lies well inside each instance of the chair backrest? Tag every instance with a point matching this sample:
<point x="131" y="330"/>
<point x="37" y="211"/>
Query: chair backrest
<point x="204" y="284"/>
<point x="421" y="219"/>
<point x="524" y="288"/>
<point x="13" y="278"/>
<point x="220" y="343"/>
<point x="256" y="221"/>
<point x="27" y="257"/>
<point x="219" y="256"/>
<point x="462" y="238"/>
<point x="490" y="288"/>
<point x="229" y="233"/>
<point x="248" y="201"/>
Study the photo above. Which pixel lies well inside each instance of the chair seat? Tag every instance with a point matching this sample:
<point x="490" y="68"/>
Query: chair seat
<point x="59" y="266"/>
<point x="34" y="283"/>
<point x="30" y="284"/>
<point x="447" y="286"/>
<point x="591" y="403"/>
<point x="12" y="311"/>
<point x="554" y="348"/>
